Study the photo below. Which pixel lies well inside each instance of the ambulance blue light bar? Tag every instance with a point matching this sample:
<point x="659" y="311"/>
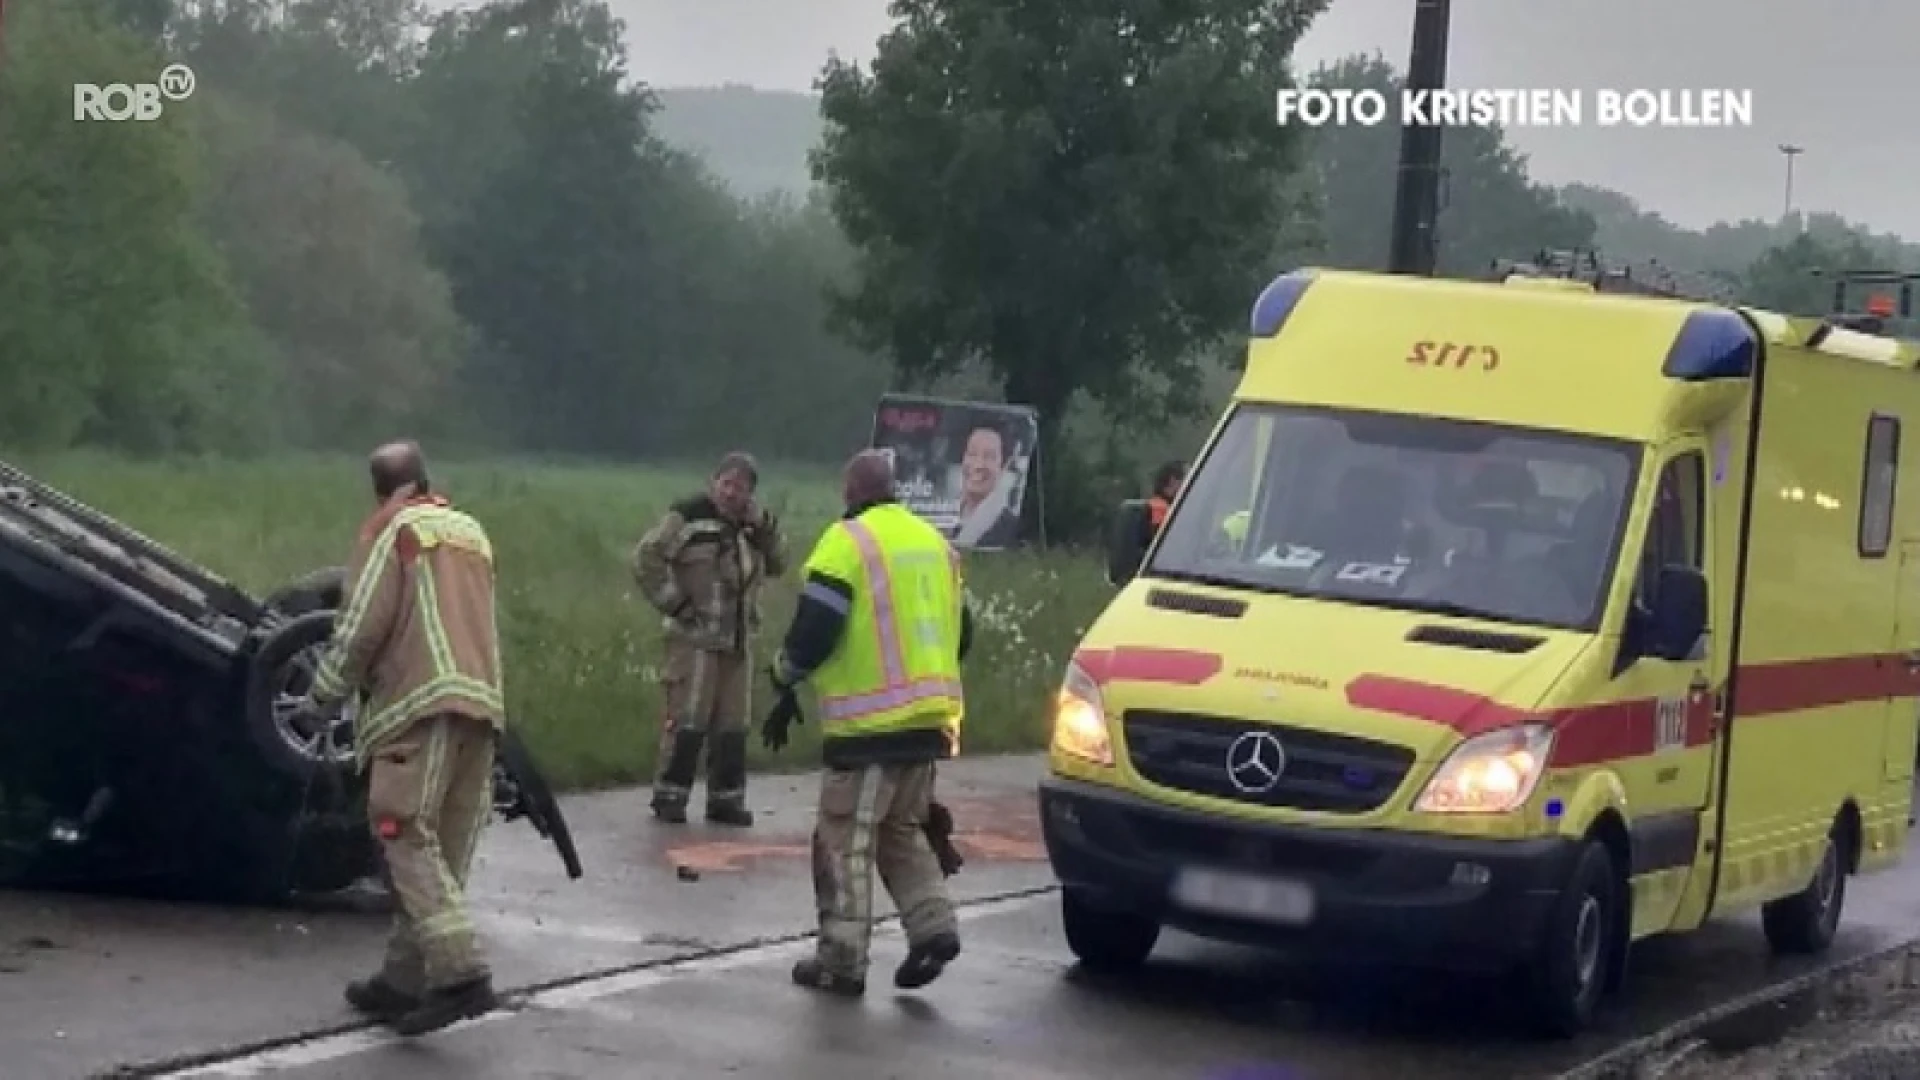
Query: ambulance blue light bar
<point x="1277" y="302"/>
<point x="1713" y="344"/>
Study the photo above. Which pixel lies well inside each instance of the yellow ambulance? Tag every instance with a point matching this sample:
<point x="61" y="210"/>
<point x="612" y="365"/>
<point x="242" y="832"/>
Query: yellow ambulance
<point x="1500" y="625"/>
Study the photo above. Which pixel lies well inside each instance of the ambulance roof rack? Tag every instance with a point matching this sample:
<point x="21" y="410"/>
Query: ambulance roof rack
<point x="1644" y="278"/>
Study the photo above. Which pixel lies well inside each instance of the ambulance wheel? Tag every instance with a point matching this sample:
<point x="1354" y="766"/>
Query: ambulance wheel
<point x="1583" y="932"/>
<point x="1109" y="942"/>
<point x="1805" y="922"/>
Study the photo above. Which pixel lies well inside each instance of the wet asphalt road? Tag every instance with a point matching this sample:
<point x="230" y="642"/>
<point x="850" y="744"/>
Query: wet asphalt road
<point x="88" y="986"/>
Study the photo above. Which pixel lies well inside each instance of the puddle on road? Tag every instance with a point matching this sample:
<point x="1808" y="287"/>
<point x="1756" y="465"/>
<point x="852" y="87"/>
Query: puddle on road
<point x="1003" y="829"/>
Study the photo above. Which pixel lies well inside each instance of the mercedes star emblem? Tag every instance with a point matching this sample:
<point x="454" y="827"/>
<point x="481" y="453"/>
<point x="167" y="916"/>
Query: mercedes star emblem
<point x="1255" y="762"/>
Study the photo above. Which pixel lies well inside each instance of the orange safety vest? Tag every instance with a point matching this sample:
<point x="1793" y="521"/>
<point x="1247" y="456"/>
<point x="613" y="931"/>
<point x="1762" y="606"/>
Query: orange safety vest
<point x="1157" y="508"/>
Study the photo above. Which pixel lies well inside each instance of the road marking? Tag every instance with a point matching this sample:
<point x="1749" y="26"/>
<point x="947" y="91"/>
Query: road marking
<point x="573" y="995"/>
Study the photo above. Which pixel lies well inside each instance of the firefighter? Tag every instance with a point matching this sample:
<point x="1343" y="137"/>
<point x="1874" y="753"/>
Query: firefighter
<point x="417" y="635"/>
<point x="880" y="631"/>
<point x="702" y="567"/>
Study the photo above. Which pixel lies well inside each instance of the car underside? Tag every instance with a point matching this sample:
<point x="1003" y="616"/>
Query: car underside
<point x="147" y="742"/>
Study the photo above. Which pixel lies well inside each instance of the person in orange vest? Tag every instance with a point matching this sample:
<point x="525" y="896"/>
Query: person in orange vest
<point x="1166" y="484"/>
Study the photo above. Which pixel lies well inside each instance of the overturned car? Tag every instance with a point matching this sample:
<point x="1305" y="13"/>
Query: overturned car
<point x="147" y="737"/>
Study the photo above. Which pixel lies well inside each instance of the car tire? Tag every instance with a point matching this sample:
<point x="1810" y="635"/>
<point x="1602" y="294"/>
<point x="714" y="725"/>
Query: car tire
<point x="1103" y="940"/>
<point x="1570" y="976"/>
<point x="279" y="672"/>
<point x="321" y="590"/>
<point x="1805" y="923"/>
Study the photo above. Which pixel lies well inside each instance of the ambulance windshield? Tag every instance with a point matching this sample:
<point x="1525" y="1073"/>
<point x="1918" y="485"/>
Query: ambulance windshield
<point x="1413" y="512"/>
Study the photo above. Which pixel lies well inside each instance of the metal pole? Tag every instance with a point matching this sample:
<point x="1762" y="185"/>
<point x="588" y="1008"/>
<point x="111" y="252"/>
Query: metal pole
<point x="1416" y="202"/>
<point x="1791" y="152"/>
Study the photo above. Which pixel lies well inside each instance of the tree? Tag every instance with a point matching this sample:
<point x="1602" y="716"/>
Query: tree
<point x="328" y="252"/>
<point x="1783" y="278"/>
<point x="553" y="242"/>
<point x="1491" y="208"/>
<point x="118" y="322"/>
<point x="330" y="67"/>
<point x="1627" y="230"/>
<point x="1072" y="191"/>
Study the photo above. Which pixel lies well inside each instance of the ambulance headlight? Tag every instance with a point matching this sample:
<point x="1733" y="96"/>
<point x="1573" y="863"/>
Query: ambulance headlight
<point x="1080" y="719"/>
<point x="1489" y="774"/>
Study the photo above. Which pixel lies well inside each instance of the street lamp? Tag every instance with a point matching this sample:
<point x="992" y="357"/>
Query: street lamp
<point x="1791" y="152"/>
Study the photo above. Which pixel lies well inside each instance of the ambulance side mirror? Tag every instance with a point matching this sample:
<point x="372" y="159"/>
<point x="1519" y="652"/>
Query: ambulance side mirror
<point x="1128" y="534"/>
<point x="1679" y="614"/>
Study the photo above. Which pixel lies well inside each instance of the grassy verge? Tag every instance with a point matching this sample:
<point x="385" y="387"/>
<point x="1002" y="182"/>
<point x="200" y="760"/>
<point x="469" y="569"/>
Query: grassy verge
<point x="583" y="651"/>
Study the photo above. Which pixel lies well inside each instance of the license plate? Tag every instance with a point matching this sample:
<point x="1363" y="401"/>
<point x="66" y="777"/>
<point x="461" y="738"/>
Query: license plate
<point x="1244" y="896"/>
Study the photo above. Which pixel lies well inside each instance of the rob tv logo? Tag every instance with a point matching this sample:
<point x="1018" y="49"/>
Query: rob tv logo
<point x="117" y="102"/>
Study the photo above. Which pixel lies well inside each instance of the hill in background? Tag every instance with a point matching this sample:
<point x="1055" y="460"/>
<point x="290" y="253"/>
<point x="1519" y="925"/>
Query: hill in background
<point x="755" y="141"/>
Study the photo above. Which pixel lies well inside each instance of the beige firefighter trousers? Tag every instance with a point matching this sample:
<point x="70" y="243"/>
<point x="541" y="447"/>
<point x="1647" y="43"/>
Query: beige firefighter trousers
<point x="709" y="695"/>
<point x="873" y="818"/>
<point x="429" y="796"/>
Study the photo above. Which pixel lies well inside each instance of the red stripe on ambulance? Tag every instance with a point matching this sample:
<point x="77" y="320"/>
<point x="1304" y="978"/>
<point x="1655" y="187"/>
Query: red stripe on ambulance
<point x="1128" y="663"/>
<point x="1612" y="731"/>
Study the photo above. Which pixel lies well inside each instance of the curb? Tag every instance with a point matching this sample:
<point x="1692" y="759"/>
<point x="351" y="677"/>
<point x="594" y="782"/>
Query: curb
<point x="1897" y="961"/>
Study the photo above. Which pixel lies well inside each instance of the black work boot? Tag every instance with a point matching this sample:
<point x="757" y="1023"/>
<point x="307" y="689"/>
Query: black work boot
<point x="926" y="961"/>
<point x="449" y="1005"/>
<point x="677" y="776"/>
<point x="727" y="774"/>
<point x="813" y="974"/>
<point x="378" y="999"/>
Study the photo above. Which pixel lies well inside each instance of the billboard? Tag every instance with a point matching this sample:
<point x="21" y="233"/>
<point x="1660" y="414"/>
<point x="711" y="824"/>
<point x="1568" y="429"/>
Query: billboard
<point x="962" y="465"/>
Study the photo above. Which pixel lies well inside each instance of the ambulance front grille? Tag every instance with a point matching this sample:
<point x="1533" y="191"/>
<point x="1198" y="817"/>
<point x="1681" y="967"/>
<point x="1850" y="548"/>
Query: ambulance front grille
<point x="1322" y="771"/>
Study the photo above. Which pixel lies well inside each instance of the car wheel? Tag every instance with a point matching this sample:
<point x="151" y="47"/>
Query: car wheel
<point x="1582" y="934"/>
<point x="281" y="673"/>
<point x="1103" y="940"/>
<point x="1806" y="922"/>
<point x="321" y="590"/>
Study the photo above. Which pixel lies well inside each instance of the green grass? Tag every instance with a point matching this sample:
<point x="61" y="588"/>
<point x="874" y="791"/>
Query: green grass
<point x="582" y="650"/>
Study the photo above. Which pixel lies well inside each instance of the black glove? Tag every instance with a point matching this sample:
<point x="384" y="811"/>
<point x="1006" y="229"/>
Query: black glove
<point x="785" y="712"/>
<point x="762" y="531"/>
<point x="939" y="830"/>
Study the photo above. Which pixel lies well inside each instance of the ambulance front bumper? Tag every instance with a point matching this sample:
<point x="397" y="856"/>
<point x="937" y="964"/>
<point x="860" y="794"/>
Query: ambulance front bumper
<point x="1390" y="897"/>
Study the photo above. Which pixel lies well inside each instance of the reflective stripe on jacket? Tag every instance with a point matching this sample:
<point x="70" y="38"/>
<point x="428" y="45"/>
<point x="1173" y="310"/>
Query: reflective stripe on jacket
<point x="896" y="667"/>
<point x="417" y="632"/>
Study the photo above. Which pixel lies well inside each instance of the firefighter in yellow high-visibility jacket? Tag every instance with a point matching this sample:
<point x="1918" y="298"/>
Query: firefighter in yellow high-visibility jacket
<point x="880" y="631"/>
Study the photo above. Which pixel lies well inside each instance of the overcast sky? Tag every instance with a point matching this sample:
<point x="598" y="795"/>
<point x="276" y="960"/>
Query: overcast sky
<point x="1834" y="76"/>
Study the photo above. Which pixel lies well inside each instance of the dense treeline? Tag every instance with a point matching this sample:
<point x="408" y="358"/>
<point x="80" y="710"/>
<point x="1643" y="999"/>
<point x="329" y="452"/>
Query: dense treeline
<point x="479" y="225"/>
<point x="369" y="218"/>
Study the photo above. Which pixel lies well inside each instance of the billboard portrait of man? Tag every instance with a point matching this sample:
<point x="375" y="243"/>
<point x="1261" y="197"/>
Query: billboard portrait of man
<point x="962" y="465"/>
<point x="986" y="488"/>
